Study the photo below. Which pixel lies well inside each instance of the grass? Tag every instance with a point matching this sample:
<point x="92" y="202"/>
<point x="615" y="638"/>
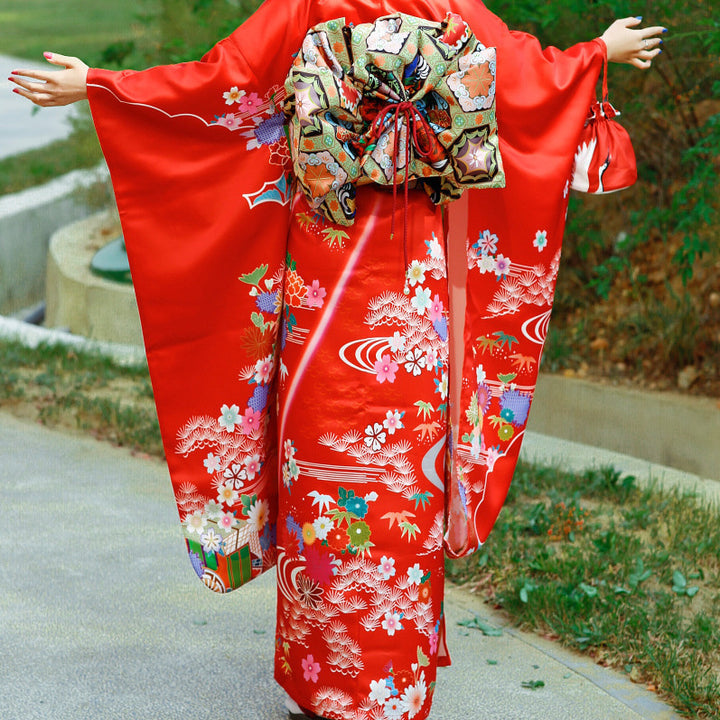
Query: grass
<point x="34" y="167"/>
<point x="64" y="388"/>
<point x="74" y="27"/>
<point x="630" y="576"/>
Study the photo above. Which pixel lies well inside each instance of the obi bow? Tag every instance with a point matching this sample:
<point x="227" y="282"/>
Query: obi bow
<point x="396" y="101"/>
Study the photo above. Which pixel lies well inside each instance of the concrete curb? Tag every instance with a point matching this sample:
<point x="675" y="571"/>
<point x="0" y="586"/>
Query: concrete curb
<point x="32" y="336"/>
<point x="576" y="457"/>
<point x="668" y="429"/>
<point x="27" y="220"/>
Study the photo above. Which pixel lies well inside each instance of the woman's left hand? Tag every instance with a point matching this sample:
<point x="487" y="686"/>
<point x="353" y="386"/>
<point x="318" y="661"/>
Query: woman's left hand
<point x="53" y="87"/>
<point x="637" y="47"/>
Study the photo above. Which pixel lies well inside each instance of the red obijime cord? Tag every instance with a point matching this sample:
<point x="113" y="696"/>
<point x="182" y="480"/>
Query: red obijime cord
<point x="417" y="135"/>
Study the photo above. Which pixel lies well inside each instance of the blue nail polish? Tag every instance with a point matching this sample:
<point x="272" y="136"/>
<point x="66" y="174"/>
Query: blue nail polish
<point x="665" y="30"/>
<point x="638" y="17"/>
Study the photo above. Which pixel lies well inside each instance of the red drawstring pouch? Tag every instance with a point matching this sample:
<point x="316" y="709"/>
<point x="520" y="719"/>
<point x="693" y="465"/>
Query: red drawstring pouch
<point x="605" y="159"/>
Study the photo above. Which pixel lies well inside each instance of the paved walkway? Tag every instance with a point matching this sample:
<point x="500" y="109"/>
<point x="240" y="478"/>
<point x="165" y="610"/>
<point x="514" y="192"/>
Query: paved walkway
<point x="23" y="127"/>
<point x="101" y="615"/>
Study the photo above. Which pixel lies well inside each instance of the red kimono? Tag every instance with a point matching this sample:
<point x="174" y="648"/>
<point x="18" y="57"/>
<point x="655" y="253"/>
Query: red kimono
<point x="335" y="400"/>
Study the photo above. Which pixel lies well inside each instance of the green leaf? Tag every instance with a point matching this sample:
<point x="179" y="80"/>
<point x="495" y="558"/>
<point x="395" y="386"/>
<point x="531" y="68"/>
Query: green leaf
<point x="255" y="276"/>
<point x="258" y="321"/>
<point x="692" y="591"/>
<point x="590" y="590"/>
<point x="423" y="660"/>
<point x="533" y="684"/>
<point x="679" y="583"/>
<point x="477" y="623"/>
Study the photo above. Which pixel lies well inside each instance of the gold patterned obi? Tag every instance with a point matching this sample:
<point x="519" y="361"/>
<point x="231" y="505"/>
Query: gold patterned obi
<point x="395" y="101"/>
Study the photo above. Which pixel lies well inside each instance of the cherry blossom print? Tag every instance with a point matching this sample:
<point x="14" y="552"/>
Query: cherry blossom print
<point x="435" y="311"/>
<point x="415" y="574"/>
<point x="233" y="95"/>
<point x="264" y="370"/>
<point x="227" y="522"/>
<point x="393" y="421"/>
<point x="487" y="244"/>
<point x="231" y="121"/>
<point x="227" y="495"/>
<point x="211" y="541"/>
<point x="386" y="568"/>
<point x="397" y="342"/>
<point x="502" y="266"/>
<point x="434" y="249"/>
<point x="392" y="623"/>
<point x="541" y="240"/>
<point x="416" y="273"/>
<point x="212" y="463"/>
<point x="311" y="669"/>
<point x="252" y="466"/>
<point x="486" y="264"/>
<point x="229" y="417"/>
<point x="315" y="297"/>
<point x="379" y="691"/>
<point x="431" y="359"/>
<point x="196" y="523"/>
<point x="385" y="369"/>
<point x="249" y="103"/>
<point x="250" y="421"/>
<point x="421" y="301"/>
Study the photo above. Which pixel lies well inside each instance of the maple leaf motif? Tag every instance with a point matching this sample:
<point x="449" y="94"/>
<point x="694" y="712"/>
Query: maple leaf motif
<point x="523" y="362"/>
<point x="487" y="343"/>
<point x="399" y="517"/>
<point x="428" y="430"/>
<point x="411" y="529"/>
<point x="424" y="409"/>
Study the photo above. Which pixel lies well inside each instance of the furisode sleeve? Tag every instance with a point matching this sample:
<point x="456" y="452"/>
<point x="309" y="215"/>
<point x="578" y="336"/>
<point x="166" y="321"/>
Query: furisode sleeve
<point x="507" y="251"/>
<point x="199" y="164"/>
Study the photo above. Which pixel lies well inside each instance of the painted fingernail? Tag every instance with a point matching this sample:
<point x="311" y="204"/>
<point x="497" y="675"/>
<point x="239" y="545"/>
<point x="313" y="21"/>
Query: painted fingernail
<point x="665" y="30"/>
<point x="15" y="90"/>
<point x="48" y="55"/>
<point x="638" y="17"/>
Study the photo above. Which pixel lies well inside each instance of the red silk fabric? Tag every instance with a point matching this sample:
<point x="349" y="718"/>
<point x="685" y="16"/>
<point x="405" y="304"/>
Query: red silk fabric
<point x="259" y="322"/>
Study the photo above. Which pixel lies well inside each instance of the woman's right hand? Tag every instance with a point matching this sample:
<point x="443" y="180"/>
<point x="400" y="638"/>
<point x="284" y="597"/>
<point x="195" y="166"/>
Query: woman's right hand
<point x="50" y="88"/>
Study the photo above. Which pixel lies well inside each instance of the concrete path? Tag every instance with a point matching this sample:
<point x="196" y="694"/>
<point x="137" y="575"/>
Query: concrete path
<point x="21" y="128"/>
<point x="101" y="615"/>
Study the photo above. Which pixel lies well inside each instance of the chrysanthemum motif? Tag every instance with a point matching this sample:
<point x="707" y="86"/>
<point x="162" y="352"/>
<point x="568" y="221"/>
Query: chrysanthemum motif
<point x="258" y="515"/>
<point x="414" y="697"/>
<point x="309" y="591"/>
